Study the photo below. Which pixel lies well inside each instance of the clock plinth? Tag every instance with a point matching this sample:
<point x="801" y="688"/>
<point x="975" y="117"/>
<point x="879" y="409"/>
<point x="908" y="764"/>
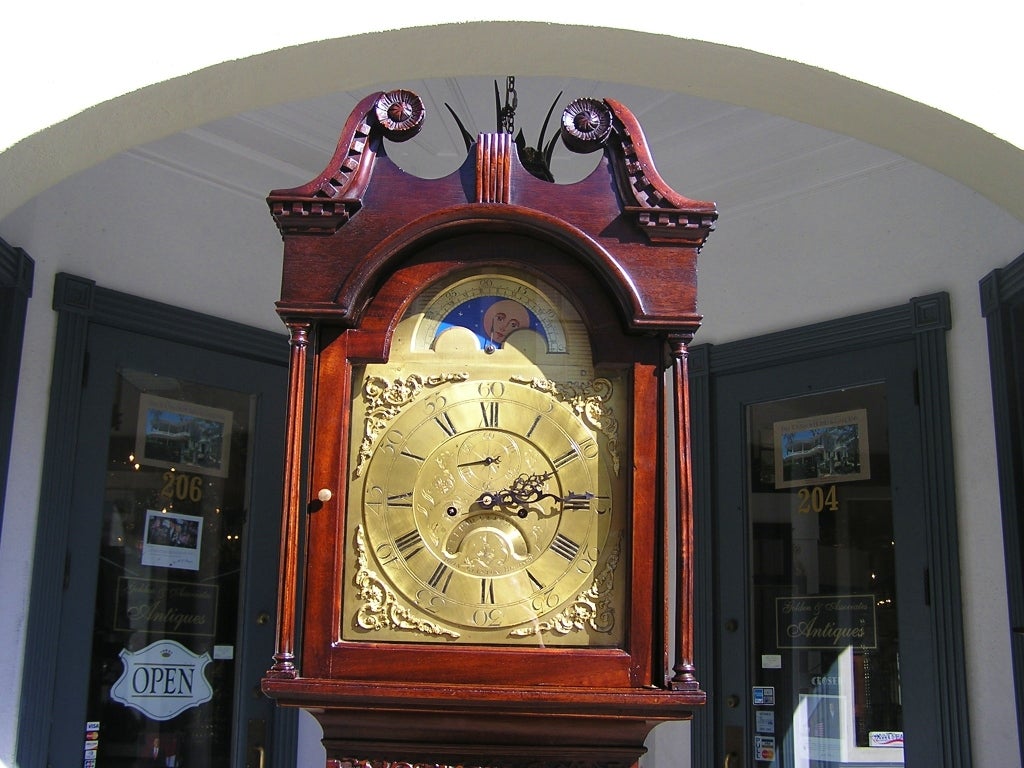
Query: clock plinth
<point x="490" y="727"/>
<point x="487" y="447"/>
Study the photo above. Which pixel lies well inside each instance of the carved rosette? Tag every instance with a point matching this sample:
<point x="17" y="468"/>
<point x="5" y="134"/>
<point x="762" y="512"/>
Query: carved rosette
<point x="385" y="400"/>
<point x="589" y="401"/>
<point x="380" y="608"/>
<point x="400" y="114"/>
<point x="586" y="124"/>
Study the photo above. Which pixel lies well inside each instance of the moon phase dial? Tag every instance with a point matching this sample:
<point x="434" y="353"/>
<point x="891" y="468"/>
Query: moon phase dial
<point x="488" y="506"/>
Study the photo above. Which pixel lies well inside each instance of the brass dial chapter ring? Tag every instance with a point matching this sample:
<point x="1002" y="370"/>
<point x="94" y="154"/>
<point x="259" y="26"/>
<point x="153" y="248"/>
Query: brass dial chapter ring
<point x="484" y="504"/>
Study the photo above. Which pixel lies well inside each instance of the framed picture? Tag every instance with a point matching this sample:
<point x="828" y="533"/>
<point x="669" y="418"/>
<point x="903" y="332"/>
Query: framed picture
<point x="172" y="540"/>
<point x="184" y="436"/>
<point x="829" y="448"/>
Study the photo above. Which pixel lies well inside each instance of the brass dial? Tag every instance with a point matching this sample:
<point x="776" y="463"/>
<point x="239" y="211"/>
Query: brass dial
<point x="488" y="506"/>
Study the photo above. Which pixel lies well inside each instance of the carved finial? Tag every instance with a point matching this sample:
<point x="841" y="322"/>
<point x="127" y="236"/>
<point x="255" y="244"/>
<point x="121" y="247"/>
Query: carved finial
<point x="536" y="160"/>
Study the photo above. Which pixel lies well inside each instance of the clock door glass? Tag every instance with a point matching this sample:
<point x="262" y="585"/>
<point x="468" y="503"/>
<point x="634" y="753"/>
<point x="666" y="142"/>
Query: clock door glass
<point x="486" y="501"/>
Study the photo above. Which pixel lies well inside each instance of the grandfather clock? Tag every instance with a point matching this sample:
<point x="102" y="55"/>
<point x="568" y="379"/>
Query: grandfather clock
<point x="487" y="449"/>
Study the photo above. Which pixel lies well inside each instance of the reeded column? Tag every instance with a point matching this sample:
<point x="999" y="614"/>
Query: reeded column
<point x="684" y="678"/>
<point x="284" y="657"/>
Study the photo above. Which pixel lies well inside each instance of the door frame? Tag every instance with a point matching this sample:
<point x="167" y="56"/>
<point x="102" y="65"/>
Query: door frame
<point x="80" y="303"/>
<point x="925" y="322"/>
<point x="16" y="276"/>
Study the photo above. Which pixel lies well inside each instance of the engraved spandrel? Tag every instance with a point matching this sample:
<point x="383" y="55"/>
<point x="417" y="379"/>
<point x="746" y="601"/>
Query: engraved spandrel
<point x="380" y="608"/>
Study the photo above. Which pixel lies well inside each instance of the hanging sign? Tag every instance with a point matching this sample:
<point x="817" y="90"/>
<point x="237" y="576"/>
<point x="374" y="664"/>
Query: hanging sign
<point x="162" y="680"/>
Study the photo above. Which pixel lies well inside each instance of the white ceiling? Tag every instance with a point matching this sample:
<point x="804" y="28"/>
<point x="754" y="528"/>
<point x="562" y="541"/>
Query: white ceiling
<point x="741" y="158"/>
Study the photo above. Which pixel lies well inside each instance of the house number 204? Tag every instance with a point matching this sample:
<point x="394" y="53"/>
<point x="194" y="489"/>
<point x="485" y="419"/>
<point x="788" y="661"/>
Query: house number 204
<point x="182" y="487"/>
<point x="817" y="500"/>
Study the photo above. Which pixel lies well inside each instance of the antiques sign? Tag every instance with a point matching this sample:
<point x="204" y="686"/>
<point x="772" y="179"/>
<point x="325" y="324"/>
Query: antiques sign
<point x="826" y="622"/>
<point x="166" y="607"/>
<point x="162" y="680"/>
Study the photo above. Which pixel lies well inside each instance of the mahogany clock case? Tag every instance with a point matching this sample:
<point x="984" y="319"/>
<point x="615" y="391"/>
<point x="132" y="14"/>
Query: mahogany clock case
<point x="341" y="358"/>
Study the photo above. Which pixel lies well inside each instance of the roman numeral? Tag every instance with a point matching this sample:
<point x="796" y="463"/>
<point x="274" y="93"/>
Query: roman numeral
<point x="486" y="592"/>
<point x="400" y="500"/>
<point x="564" y="546"/>
<point x="565" y="458"/>
<point x="409" y="543"/>
<point x="444" y="421"/>
<point x="577" y="501"/>
<point x="442" y="576"/>
<point x="490" y="414"/>
<point x="535" y="581"/>
<point x="536" y="421"/>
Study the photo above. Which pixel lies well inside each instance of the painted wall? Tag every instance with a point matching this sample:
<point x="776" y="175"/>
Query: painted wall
<point x="970" y="221"/>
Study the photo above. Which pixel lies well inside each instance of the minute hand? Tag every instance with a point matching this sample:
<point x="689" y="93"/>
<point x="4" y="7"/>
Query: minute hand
<point x="571" y="500"/>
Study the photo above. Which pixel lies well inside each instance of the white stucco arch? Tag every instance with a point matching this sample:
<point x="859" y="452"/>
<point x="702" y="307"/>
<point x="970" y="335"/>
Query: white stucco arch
<point x="707" y="68"/>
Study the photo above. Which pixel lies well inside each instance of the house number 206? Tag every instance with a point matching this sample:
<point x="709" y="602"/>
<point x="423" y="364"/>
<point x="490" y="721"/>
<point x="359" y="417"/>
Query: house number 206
<point x="817" y="500"/>
<point x="182" y="487"/>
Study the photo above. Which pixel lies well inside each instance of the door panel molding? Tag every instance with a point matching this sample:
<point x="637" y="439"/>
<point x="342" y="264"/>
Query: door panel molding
<point x="81" y="303"/>
<point x="923" y="321"/>
<point x="16" y="276"/>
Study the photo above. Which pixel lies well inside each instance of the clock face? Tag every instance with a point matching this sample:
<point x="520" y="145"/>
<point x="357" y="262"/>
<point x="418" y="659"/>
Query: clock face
<point x="486" y="504"/>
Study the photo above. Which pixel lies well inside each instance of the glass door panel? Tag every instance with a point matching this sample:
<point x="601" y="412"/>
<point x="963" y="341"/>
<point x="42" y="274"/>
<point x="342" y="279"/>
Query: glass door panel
<point x="829" y="505"/>
<point x="824" y="629"/>
<point x="162" y="680"/>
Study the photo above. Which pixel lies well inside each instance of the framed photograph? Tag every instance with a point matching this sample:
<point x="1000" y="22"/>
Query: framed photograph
<point x="829" y="448"/>
<point x="172" y="540"/>
<point x="183" y="436"/>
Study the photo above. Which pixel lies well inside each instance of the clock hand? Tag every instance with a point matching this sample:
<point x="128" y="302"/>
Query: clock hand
<point x="529" y="489"/>
<point x="575" y="500"/>
<point x="486" y="462"/>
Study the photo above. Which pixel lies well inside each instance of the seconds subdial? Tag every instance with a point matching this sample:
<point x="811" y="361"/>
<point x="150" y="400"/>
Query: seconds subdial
<point x="488" y="459"/>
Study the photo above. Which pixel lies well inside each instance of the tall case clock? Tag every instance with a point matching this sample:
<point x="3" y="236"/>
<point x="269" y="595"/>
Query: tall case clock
<point x="486" y="533"/>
